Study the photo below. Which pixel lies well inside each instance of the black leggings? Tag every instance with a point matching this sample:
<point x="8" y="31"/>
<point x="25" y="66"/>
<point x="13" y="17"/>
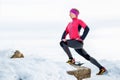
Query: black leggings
<point x="78" y="46"/>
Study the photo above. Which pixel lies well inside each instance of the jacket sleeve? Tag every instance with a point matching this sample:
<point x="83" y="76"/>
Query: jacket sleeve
<point x="65" y="32"/>
<point x="64" y="35"/>
<point x="85" y="32"/>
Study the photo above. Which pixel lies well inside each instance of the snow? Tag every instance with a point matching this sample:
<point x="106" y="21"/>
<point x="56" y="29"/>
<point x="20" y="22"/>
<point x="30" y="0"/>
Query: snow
<point x="38" y="68"/>
<point x="31" y="68"/>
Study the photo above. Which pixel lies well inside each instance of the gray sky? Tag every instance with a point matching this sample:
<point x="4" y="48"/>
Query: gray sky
<point x="56" y="10"/>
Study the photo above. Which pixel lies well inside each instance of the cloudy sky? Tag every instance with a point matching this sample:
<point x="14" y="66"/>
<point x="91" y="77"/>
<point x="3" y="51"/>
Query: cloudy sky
<point x="39" y="24"/>
<point x="52" y="10"/>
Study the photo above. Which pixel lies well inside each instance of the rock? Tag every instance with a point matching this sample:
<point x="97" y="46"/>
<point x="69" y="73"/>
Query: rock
<point x="17" y="54"/>
<point x="81" y="73"/>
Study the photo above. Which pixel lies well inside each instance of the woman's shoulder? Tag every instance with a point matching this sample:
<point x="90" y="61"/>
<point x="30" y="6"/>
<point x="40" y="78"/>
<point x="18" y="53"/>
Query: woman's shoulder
<point x="80" y="20"/>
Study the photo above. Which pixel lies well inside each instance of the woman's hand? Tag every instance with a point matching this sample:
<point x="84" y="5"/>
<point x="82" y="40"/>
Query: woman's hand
<point x="64" y="40"/>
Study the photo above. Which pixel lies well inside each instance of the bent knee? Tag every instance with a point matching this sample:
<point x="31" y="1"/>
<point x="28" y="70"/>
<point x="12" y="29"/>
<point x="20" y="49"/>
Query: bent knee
<point x="62" y="43"/>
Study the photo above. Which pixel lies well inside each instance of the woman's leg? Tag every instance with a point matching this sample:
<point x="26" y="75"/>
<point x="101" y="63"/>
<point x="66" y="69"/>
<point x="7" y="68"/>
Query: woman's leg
<point x="70" y="43"/>
<point x="83" y="53"/>
<point x="66" y="49"/>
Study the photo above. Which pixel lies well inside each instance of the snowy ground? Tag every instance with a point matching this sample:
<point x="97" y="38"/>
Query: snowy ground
<point x="37" y="68"/>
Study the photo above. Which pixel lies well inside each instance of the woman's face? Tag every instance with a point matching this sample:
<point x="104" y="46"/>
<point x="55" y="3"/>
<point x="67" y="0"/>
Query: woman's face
<point x="72" y="15"/>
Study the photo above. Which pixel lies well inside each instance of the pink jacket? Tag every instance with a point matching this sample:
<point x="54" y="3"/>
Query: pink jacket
<point x="73" y="28"/>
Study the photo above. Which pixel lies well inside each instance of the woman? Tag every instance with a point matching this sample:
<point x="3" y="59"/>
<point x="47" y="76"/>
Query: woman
<point x="76" y="40"/>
